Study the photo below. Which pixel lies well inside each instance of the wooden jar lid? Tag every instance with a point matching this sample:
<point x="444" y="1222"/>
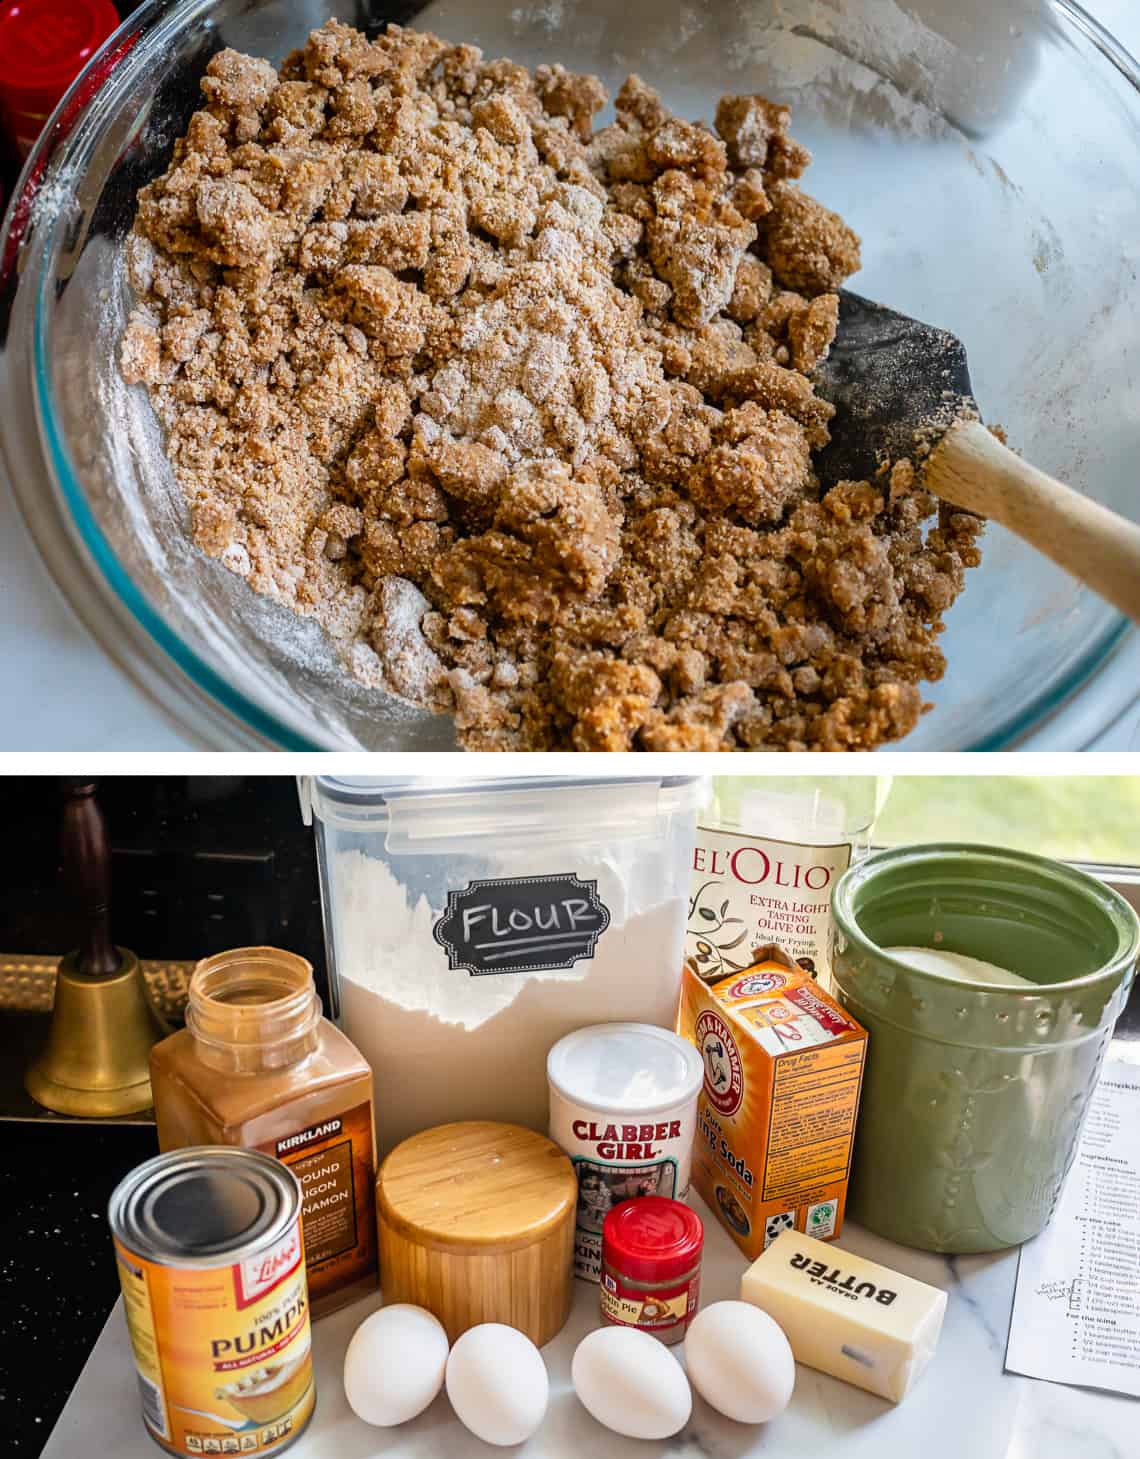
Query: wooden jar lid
<point x="477" y="1224"/>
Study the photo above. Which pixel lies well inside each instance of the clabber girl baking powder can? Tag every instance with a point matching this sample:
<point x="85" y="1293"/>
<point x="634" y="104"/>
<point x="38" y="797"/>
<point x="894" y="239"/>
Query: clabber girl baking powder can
<point x="212" y="1267"/>
<point x="623" y="1105"/>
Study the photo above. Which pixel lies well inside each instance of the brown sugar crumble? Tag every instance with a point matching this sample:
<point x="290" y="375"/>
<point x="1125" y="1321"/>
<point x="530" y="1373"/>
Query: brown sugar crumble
<point x="522" y="410"/>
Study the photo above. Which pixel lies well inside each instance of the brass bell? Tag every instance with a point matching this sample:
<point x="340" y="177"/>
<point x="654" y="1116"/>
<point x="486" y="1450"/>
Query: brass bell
<point x="96" y="1060"/>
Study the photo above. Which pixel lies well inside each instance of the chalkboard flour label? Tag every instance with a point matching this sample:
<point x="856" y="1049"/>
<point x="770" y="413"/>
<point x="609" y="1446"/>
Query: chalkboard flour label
<point x="524" y="924"/>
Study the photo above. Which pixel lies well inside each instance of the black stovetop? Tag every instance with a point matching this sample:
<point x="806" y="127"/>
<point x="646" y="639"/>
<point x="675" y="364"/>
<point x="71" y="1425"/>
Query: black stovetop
<point x="57" y="1271"/>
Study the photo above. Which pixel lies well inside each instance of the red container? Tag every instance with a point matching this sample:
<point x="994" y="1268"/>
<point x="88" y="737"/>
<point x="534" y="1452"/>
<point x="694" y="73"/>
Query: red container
<point x="651" y="1266"/>
<point x="44" y="44"/>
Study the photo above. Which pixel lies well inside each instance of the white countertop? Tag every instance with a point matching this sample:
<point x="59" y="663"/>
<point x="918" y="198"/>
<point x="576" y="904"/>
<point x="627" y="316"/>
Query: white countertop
<point x="61" y="692"/>
<point x="963" y="1407"/>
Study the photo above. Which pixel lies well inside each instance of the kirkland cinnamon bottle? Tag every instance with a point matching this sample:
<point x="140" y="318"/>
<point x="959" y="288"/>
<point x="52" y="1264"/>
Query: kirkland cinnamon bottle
<point x="258" y="1066"/>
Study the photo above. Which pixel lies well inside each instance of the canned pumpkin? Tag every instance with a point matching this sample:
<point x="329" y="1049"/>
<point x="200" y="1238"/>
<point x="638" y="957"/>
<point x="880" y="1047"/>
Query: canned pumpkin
<point x="212" y="1267"/>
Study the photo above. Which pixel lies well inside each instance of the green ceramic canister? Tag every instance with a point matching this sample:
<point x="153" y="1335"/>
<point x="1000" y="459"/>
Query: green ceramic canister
<point x="974" y="1095"/>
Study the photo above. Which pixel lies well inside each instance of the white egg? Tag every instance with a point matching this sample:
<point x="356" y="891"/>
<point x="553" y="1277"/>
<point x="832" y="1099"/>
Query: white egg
<point x="631" y="1383"/>
<point x="497" y="1383"/>
<point x="740" y="1361"/>
<point x="395" y="1364"/>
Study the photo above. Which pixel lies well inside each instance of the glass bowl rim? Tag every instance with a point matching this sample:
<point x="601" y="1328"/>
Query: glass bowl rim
<point x="149" y="25"/>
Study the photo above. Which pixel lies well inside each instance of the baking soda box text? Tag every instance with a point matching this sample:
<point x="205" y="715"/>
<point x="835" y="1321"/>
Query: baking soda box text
<point x="776" y="1113"/>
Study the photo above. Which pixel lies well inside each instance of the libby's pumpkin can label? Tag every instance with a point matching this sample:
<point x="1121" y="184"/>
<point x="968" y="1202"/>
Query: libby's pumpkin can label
<point x="212" y="1268"/>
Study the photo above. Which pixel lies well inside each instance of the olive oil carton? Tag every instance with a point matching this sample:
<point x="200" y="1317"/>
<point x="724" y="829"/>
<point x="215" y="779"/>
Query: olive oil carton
<point x="776" y="1113"/>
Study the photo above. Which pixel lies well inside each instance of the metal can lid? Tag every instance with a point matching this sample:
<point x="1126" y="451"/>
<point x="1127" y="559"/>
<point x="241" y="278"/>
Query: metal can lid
<point x="652" y="1239"/>
<point x="44" y="44"/>
<point x="205" y="1206"/>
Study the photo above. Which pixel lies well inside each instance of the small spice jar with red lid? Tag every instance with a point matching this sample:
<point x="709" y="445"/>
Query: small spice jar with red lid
<point x="44" y="44"/>
<point x="651" y="1266"/>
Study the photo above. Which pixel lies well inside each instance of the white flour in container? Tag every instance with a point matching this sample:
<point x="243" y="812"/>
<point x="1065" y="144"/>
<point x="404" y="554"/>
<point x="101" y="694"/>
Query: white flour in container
<point x="960" y="968"/>
<point x="444" y="1045"/>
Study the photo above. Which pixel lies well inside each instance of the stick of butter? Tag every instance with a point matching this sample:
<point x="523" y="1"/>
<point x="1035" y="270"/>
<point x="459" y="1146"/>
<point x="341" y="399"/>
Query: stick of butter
<point x="845" y="1315"/>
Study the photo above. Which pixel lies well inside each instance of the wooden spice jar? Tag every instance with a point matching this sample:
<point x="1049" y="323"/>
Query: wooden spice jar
<point x="476" y="1224"/>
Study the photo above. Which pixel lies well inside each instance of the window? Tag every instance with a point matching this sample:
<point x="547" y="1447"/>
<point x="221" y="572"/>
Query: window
<point x="1091" y="820"/>
<point x="1076" y="818"/>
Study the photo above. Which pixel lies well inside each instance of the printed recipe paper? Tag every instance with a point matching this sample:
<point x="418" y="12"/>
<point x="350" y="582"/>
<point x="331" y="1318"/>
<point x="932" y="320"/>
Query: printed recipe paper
<point x="1076" y="1307"/>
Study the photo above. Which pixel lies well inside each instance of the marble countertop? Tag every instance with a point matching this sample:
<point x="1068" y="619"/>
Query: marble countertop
<point x="57" y="1282"/>
<point x="964" y="1407"/>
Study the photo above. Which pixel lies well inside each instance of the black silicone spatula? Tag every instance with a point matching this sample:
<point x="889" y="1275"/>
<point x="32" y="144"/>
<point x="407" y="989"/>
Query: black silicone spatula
<point x="894" y="382"/>
<point x="888" y="377"/>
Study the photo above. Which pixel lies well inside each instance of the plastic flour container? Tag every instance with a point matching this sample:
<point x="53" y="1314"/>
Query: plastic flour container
<point x="623" y="1105"/>
<point x="471" y="924"/>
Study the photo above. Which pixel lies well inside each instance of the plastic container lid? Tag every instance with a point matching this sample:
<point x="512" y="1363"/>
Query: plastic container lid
<point x="44" y="44"/>
<point x="652" y="1239"/>
<point x="329" y="791"/>
<point x="625" y="1068"/>
<point x="413" y="811"/>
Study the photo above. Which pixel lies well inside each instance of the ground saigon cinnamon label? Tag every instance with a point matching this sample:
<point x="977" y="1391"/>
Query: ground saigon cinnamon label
<point x="333" y="1160"/>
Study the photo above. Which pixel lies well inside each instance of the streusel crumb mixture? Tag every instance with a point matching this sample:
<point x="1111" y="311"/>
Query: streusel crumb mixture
<point x="522" y="410"/>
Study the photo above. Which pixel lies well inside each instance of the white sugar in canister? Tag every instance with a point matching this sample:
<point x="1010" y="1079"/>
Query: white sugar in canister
<point x="623" y="1105"/>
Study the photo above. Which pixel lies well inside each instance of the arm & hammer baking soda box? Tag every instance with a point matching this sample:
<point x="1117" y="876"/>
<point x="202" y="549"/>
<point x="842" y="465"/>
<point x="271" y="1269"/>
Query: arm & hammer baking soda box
<point x="776" y="1113"/>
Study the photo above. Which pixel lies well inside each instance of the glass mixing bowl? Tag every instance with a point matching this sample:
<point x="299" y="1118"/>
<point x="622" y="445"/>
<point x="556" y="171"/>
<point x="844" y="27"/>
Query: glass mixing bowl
<point x="987" y="150"/>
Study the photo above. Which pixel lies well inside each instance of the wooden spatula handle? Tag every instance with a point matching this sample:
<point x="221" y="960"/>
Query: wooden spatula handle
<point x="972" y="469"/>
